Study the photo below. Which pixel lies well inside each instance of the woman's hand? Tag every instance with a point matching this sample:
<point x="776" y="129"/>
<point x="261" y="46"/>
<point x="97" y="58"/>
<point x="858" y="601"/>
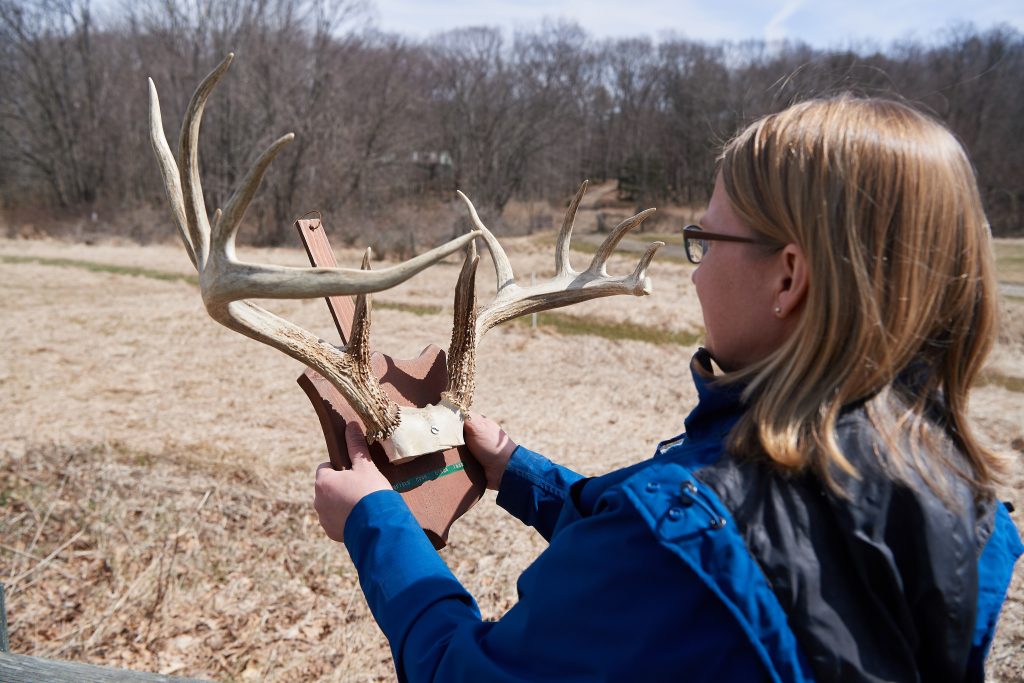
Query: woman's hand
<point x="490" y="445"/>
<point x="338" y="491"/>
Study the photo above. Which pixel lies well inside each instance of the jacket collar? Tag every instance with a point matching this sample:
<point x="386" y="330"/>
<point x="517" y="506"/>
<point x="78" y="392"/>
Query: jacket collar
<point x="719" y="403"/>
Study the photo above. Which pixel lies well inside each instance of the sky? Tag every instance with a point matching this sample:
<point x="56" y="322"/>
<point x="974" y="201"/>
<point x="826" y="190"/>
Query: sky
<point x="821" y="23"/>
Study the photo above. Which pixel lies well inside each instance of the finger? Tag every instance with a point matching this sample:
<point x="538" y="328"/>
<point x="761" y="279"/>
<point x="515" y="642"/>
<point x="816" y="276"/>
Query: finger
<point x="358" y="449"/>
<point x="320" y="485"/>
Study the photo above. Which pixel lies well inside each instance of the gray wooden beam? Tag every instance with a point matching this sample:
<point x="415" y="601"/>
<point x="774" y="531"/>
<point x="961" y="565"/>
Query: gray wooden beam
<point x="5" y="645"/>
<point x="23" y="669"/>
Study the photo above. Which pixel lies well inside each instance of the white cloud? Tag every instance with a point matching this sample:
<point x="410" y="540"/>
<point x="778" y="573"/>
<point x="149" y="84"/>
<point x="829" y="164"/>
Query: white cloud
<point x="775" y="28"/>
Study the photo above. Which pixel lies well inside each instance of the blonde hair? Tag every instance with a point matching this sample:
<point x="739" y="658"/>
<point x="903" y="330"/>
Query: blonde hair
<point x="884" y="203"/>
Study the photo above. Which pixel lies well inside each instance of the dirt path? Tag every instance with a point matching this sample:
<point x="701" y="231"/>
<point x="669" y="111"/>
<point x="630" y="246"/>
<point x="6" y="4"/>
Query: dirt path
<point x="635" y="244"/>
<point x="1012" y="289"/>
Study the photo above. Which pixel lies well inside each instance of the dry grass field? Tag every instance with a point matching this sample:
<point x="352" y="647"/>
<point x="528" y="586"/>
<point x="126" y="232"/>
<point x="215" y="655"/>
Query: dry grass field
<point x="156" y="469"/>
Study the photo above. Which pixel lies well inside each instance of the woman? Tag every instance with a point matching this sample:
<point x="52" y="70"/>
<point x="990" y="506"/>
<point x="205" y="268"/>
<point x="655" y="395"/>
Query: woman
<point x="828" y="513"/>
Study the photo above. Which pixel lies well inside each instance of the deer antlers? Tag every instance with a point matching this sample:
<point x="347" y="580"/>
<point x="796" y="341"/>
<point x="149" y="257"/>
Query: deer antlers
<point x="226" y="283"/>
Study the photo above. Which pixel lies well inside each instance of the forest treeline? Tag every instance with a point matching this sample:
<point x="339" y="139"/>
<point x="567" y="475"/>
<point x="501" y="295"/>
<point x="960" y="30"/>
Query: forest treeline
<point x="388" y="127"/>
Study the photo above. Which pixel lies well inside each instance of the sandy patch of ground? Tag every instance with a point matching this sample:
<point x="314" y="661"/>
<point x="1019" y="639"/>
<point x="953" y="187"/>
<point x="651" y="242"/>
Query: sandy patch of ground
<point x="156" y="468"/>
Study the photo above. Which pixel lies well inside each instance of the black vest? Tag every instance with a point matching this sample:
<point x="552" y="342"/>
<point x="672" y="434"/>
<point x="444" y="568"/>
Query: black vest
<point x="880" y="586"/>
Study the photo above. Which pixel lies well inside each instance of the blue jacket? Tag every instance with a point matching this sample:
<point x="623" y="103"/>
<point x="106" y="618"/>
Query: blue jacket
<point x="649" y="576"/>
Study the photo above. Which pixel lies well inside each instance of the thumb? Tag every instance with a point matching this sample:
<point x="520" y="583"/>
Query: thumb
<point x="475" y="423"/>
<point x="358" y="449"/>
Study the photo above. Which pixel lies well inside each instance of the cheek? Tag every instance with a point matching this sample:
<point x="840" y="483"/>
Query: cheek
<point x="705" y="297"/>
<point x="697" y="277"/>
<point x="708" y="285"/>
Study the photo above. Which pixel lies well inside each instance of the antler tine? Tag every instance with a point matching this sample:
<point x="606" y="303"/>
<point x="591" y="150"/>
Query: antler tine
<point x="188" y="154"/>
<point x="169" y="173"/>
<point x="358" y="350"/>
<point x="225" y="226"/>
<point x="640" y="272"/>
<point x="359" y="337"/>
<point x="462" y="350"/>
<point x="502" y="266"/>
<point x="599" y="262"/>
<point x="565" y="234"/>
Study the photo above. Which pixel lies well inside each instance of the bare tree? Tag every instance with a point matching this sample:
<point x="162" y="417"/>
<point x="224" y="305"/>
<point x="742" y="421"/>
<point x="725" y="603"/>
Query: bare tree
<point x="498" y="110"/>
<point x="54" y="118"/>
<point x="385" y="121"/>
<point x="633" y="76"/>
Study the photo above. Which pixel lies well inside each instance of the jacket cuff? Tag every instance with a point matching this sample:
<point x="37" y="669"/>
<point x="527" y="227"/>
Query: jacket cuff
<point x="533" y="489"/>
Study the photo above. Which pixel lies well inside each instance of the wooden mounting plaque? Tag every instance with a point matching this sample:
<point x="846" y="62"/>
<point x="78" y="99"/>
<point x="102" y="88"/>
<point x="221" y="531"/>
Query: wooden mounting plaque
<point x="439" y="487"/>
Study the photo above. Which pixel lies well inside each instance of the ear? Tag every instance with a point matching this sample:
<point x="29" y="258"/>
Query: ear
<point x="792" y="283"/>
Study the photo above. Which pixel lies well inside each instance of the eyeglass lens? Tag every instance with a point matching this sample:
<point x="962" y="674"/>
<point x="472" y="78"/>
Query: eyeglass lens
<point x="695" y="248"/>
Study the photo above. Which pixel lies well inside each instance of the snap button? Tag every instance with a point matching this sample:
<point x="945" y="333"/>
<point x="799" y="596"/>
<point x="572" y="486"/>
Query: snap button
<point x="688" y="492"/>
<point x="652" y="486"/>
<point x="674" y="514"/>
<point x="717" y="522"/>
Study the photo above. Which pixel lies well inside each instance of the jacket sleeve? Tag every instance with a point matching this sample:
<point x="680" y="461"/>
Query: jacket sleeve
<point x="995" y="570"/>
<point x="534" y="489"/>
<point x="603" y="602"/>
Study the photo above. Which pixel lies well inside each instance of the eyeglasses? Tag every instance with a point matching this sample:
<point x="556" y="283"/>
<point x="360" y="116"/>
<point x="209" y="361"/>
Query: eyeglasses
<point x="696" y="241"/>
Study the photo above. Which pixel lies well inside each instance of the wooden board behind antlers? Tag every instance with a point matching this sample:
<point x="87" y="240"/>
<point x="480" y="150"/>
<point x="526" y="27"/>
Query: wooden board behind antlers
<point x="438" y="488"/>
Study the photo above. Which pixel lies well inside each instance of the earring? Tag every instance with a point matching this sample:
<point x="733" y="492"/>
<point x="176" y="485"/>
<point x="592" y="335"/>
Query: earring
<point x="778" y="310"/>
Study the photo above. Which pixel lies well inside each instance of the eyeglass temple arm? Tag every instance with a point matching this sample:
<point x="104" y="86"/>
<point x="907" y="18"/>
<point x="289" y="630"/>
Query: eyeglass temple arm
<point x="697" y="232"/>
